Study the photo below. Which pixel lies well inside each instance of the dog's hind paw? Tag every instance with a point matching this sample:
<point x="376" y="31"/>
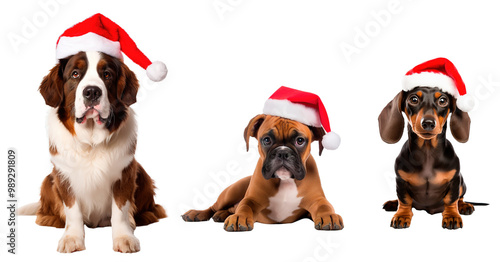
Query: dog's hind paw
<point x="221" y="215"/>
<point x="391" y="205"/>
<point x="465" y="208"/>
<point x="197" y="215"/>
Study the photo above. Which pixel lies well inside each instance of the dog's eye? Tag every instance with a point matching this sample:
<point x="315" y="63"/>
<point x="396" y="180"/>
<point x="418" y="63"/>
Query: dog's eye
<point x="300" y="141"/>
<point x="266" y="141"/>
<point x="107" y="75"/>
<point x="75" y="74"/>
<point x="413" y="99"/>
<point x="443" y="101"/>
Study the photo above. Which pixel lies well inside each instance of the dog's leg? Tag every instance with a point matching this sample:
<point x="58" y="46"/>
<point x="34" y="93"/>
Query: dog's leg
<point x="147" y="211"/>
<point x="221" y="215"/>
<point x="122" y="210"/>
<point x="242" y="219"/>
<point x="323" y="215"/>
<point x="402" y="218"/>
<point x="404" y="214"/>
<point x="51" y="211"/>
<point x="227" y="199"/>
<point x="465" y="208"/>
<point x="73" y="237"/>
<point x="451" y="216"/>
<point x="391" y="205"/>
<point x="123" y="225"/>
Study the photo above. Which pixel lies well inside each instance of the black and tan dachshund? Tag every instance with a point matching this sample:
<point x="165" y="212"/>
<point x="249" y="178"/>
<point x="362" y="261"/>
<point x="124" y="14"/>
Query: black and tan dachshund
<point x="427" y="169"/>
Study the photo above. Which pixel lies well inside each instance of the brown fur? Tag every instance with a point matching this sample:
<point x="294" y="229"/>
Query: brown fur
<point x="58" y="89"/>
<point x="246" y="201"/>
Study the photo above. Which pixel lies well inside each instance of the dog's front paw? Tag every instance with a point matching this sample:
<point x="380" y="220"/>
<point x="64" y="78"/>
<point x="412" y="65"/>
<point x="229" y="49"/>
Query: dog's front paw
<point x="70" y="244"/>
<point x="452" y="221"/>
<point x="238" y="223"/>
<point x="126" y="244"/>
<point x="401" y="221"/>
<point x="328" y="222"/>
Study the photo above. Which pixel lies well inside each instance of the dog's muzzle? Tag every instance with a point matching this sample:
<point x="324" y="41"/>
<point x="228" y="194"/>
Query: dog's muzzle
<point x="283" y="162"/>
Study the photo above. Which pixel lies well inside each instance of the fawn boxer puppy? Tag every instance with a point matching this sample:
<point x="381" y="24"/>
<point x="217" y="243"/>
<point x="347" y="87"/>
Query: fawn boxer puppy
<point x="285" y="185"/>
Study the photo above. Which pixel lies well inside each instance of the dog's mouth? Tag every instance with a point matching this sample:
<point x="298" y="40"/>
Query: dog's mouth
<point x="426" y="136"/>
<point x="92" y="113"/>
<point x="283" y="173"/>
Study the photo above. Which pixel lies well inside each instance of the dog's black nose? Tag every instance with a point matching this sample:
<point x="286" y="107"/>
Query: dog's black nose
<point x="283" y="153"/>
<point x="92" y="93"/>
<point x="428" y="124"/>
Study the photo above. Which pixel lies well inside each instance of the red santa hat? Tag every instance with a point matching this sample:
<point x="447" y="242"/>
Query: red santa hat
<point x="99" y="33"/>
<point x="440" y="73"/>
<point x="303" y="107"/>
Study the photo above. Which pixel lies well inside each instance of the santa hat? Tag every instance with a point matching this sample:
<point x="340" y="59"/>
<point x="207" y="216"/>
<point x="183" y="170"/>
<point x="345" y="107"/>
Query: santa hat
<point x="99" y="33"/>
<point x="303" y="107"/>
<point x="440" y="73"/>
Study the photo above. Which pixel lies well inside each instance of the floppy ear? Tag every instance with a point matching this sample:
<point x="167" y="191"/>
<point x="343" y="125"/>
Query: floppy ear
<point x="52" y="85"/>
<point x="460" y="125"/>
<point x="128" y="86"/>
<point x="253" y="127"/>
<point x="318" y="133"/>
<point x="391" y="122"/>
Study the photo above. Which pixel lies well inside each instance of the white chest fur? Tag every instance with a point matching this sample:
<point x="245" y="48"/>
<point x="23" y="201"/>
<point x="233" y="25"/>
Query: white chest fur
<point x="92" y="169"/>
<point x="285" y="202"/>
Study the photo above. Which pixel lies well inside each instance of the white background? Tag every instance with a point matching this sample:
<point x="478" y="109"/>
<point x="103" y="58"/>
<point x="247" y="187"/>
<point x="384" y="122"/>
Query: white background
<point x="223" y="65"/>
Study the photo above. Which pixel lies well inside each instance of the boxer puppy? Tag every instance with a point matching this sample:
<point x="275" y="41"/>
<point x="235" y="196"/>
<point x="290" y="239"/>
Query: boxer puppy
<point x="285" y="186"/>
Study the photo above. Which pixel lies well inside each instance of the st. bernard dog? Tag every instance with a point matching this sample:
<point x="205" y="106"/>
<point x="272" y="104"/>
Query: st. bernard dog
<point x="96" y="180"/>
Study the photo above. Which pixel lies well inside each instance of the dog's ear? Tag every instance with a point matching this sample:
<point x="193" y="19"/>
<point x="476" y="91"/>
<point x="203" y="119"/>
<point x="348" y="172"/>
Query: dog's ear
<point x="460" y="125"/>
<point x="391" y="122"/>
<point x="52" y="86"/>
<point x="128" y="86"/>
<point x="253" y="127"/>
<point x="318" y="133"/>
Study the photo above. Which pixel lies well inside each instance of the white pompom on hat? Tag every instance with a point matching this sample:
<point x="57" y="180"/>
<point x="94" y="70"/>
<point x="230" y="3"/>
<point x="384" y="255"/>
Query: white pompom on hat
<point x="306" y="108"/>
<point x="440" y="73"/>
<point x="99" y="33"/>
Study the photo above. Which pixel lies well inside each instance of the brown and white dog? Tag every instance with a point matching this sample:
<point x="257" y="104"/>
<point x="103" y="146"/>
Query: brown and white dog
<point x="96" y="180"/>
<point x="285" y="186"/>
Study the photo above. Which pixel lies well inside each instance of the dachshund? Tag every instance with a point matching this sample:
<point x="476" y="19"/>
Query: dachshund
<point x="427" y="169"/>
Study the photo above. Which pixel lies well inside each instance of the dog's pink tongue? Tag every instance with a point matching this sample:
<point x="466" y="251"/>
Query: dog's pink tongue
<point x="283" y="173"/>
<point x="92" y="113"/>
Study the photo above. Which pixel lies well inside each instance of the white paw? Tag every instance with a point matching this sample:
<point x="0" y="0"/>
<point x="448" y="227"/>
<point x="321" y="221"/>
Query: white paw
<point x="126" y="244"/>
<point x="70" y="244"/>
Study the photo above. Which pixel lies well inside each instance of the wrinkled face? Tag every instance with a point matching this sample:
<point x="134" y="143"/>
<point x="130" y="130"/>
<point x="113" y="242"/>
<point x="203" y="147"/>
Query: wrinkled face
<point x="285" y="146"/>
<point x="427" y="110"/>
<point x="91" y="91"/>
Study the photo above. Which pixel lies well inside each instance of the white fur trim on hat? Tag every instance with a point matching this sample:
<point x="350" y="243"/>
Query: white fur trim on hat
<point x="331" y="141"/>
<point x="465" y="103"/>
<point x="68" y="46"/>
<point x="430" y="79"/>
<point x="156" y="71"/>
<point x="294" y="111"/>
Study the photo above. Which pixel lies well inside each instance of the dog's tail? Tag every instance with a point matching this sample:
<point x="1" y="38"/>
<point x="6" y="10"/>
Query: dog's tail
<point x="29" y="209"/>
<point x="477" y="204"/>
